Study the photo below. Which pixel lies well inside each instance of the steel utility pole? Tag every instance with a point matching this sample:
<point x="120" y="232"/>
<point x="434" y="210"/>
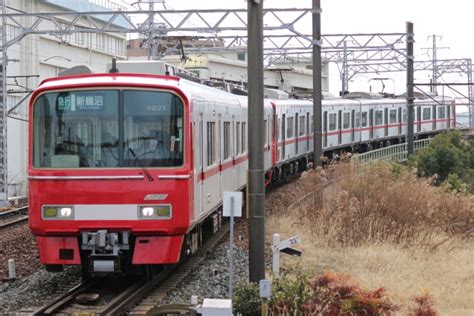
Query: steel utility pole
<point x="317" y="96"/>
<point x="256" y="184"/>
<point x="3" y="108"/>
<point x="410" y="98"/>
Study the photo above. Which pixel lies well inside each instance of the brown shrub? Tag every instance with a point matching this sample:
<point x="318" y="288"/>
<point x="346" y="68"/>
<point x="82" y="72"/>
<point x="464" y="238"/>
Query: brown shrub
<point x="383" y="203"/>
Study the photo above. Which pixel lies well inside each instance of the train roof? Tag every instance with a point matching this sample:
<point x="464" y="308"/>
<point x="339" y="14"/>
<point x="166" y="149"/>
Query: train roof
<point x="189" y="88"/>
<point x="105" y="79"/>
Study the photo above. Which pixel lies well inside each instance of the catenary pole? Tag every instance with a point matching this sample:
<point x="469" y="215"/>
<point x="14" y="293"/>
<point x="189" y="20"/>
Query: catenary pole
<point x="256" y="186"/>
<point x="410" y="98"/>
<point x="317" y="140"/>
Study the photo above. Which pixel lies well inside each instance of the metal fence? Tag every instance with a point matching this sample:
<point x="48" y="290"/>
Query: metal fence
<point x="391" y="153"/>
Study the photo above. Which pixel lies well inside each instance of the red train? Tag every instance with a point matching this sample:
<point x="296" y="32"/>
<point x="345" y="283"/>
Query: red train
<point x="128" y="170"/>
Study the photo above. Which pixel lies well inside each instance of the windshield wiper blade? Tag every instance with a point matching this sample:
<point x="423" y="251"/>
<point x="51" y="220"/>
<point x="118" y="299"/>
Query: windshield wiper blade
<point x="145" y="171"/>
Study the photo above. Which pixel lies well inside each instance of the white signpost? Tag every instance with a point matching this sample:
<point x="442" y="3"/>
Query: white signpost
<point x="283" y="246"/>
<point x="232" y="207"/>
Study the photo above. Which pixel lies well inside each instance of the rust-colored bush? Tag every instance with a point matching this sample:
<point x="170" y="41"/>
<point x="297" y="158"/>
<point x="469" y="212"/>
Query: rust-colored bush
<point x="337" y="294"/>
<point x="423" y="305"/>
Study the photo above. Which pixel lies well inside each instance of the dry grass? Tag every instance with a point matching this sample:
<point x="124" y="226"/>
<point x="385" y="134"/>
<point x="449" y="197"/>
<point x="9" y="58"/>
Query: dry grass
<point x="385" y="229"/>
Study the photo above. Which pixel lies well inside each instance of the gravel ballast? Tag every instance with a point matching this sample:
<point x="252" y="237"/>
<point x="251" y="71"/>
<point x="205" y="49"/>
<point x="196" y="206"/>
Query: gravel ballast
<point x="212" y="278"/>
<point x="36" y="289"/>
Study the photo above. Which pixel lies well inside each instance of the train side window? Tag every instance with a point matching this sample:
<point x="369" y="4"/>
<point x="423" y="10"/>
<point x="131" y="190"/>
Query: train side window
<point x="290" y="127"/>
<point x="393" y="116"/>
<point x="302" y="129"/>
<point x="244" y="137"/>
<point x="312" y="124"/>
<point x="238" y="135"/>
<point x="332" y="121"/>
<point x="364" y="119"/>
<point x="404" y="115"/>
<point x="426" y="114"/>
<point x="227" y="141"/>
<point x="441" y="112"/>
<point x="357" y="119"/>
<point x="346" y="121"/>
<point x="211" y="143"/>
<point x="378" y="117"/>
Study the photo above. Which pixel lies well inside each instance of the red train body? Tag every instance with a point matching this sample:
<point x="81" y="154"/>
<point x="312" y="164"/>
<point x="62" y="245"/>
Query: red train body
<point x="128" y="170"/>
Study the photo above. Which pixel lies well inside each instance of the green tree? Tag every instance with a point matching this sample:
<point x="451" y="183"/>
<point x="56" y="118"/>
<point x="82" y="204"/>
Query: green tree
<point x="448" y="154"/>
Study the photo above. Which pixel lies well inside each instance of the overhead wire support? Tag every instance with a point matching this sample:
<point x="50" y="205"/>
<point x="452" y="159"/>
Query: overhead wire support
<point x="67" y="23"/>
<point x="371" y="49"/>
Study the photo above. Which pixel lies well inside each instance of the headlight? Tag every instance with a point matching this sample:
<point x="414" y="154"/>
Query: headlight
<point x="147" y="211"/>
<point x="65" y="211"/>
<point x="154" y="211"/>
<point x="58" y="212"/>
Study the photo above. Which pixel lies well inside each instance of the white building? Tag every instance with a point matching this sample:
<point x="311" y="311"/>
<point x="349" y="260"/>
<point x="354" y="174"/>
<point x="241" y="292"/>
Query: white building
<point x="293" y="75"/>
<point x="37" y="57"/>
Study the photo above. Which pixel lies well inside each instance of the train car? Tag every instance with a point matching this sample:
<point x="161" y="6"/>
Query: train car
<point x="127" y="171"/>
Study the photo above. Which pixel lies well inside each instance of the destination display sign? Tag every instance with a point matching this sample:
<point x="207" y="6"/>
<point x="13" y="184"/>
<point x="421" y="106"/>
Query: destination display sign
<point x="80" y="101"/>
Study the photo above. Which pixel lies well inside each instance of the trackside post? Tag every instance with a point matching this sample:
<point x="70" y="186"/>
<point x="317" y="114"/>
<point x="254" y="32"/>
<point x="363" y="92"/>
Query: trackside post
<point x="232" y="207"/>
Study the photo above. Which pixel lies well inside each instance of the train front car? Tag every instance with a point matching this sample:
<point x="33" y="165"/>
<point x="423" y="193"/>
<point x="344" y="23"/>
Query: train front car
<point x="109" y="171"/>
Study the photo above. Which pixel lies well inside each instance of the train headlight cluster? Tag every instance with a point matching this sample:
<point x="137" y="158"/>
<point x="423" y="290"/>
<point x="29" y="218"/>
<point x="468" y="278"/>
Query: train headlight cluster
<point x="58" y="212"/>
<point x="154" y="211"/>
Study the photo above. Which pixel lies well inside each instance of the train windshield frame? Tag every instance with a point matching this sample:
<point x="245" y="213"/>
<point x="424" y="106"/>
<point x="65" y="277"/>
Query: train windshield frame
<point x="108" y="128"/>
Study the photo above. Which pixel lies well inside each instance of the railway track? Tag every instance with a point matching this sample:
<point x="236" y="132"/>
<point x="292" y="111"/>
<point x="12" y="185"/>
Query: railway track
<point x="13" y="217"/>
<point x="131" y="296"/>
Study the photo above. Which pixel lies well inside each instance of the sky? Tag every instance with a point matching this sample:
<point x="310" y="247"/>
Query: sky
<point x="449" y="19"/>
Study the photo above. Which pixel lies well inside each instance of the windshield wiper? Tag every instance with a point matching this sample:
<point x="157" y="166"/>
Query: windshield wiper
<point x="145" y="171"/>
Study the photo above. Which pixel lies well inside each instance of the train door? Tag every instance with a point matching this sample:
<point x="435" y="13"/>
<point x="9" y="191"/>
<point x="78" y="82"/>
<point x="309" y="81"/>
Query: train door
<point x="418" y="118"/>
<point x="200" y="163"/>
<point x="371" y="124"/>
<point x="274" y="138"/>
<point x="399" y="121"/>
<point x="353" y="126"/>
<point x="233" y="150"/>
<point x="385" y="117"/>
<point x="219" y="153"/>
<point x="325" y="129"/>
<point x="449" y="117"/>
<point x="339" y="127"/>
<point x="308" y="130"/>
<point x="283" y="137"/>
<point x="433" y="110"/>
<point x="297" y="132"/>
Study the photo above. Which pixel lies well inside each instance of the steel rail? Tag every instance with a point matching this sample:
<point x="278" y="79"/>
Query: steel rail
<point x="14" y="212"/>
<point x="138" y="290"/>
<point x="4" y="216"/>
<point x="53" y="306"/>
<point x="155" y="290"/>
<point x="14" y="222"/>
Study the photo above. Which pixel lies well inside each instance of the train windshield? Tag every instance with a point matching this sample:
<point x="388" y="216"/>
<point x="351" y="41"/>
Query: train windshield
<point x="108" y="129"/>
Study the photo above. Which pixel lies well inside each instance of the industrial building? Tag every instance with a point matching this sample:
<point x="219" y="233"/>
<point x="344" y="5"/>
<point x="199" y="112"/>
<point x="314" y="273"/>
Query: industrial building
<point x="293" y="76"/>
<point x="37" y="57"/>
